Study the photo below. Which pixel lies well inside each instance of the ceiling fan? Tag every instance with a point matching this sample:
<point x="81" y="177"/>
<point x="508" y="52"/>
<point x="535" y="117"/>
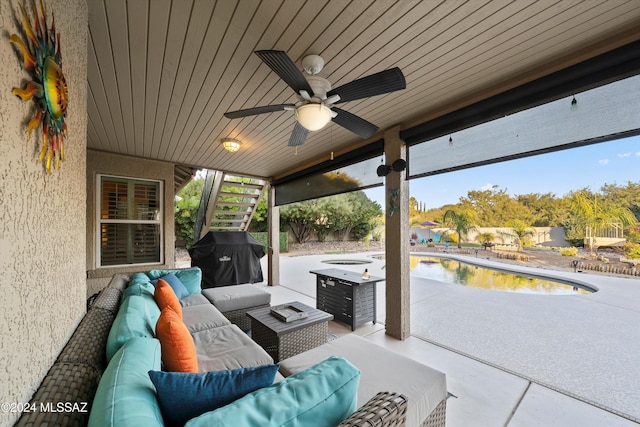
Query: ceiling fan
<point x="317" y="102"/>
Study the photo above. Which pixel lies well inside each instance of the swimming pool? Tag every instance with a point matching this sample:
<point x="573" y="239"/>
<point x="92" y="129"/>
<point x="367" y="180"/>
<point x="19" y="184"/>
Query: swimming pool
<point x="453" y="271"/>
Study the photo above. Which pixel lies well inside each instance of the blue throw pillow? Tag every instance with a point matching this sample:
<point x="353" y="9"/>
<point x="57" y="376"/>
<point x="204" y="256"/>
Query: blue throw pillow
<point x="178" y="287"/>
<point x="183" y="396"/>
<point x="190" y="277"/>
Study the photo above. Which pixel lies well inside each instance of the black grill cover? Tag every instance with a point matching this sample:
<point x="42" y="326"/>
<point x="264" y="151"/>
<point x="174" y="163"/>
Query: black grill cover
<point x="227" y="258"/>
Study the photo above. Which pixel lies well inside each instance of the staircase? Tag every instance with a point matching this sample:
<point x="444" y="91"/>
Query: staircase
<point x="230" y="201"/>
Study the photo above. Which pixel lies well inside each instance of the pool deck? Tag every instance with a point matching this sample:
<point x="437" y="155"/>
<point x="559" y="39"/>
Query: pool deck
<point x="511" y="359"/>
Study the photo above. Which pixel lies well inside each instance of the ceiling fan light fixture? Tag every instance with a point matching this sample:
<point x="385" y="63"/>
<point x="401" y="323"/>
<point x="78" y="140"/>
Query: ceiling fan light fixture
<point x="313" y="116"/>
<point x="230" y="144"/>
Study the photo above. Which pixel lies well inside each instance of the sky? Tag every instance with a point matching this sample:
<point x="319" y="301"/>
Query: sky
<point x="614" y="162"/>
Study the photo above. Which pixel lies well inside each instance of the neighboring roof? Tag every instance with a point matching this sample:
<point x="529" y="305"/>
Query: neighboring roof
<point x="161" y="75"/>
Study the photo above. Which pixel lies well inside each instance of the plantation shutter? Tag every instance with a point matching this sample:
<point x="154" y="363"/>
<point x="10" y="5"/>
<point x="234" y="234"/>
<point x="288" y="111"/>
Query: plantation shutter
<point x="130" y="222"/>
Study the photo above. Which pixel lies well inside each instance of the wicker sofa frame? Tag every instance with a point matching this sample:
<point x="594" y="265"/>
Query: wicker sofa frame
<point x="240" y="318"/>
<point x="75" y="375"/>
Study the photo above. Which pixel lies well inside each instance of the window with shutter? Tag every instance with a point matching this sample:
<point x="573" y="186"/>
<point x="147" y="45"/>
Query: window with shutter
<point x="130" y="221"/>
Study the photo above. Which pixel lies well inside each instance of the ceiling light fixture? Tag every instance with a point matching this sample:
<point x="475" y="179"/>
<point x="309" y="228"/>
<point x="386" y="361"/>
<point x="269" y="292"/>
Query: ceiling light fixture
<point x="231" y="145"/>
<point x="313" y="116"/>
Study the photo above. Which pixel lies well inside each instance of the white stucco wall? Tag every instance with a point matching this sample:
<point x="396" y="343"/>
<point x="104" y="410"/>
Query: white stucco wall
<point x="544" y="236"/>
<point x="42" y="216"/>
<point x="99" y="162"/>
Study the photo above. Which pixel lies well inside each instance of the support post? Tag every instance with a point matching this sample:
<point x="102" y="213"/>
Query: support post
<point x="273" y="245"/>
<point x="396" y="239"/>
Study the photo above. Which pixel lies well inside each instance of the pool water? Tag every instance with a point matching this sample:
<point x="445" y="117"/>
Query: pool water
<point x="460" y="273"/>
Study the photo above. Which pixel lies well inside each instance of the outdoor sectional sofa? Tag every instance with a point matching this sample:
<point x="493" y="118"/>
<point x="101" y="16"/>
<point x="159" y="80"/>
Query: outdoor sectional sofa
<point x="108" y="359"/>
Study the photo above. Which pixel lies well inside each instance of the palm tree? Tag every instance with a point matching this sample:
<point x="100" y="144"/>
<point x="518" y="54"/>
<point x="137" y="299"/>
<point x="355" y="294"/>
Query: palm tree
<point x="588" y="213"/>
<point x="486" y="239"/>
<point x="462" y="222"/>
<point x="519" y="232"/>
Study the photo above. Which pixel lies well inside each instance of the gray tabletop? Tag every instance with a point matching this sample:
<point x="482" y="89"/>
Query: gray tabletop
<point x="264" y="316"/>
<point x="349" y="276"/>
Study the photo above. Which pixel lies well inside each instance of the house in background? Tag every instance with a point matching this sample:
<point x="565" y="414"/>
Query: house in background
<point x="149" y="83"/>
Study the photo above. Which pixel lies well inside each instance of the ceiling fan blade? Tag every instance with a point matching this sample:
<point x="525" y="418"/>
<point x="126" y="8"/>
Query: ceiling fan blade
<point x="298" y="136"/>
<point x="285" y="68"/>
<point x="258" y="110"/>
<point x="375" y="84"/>
<point x="355" y="124"/>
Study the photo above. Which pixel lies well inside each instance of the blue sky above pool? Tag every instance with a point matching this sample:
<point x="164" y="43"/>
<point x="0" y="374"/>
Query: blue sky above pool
<point x="558" y="173"/>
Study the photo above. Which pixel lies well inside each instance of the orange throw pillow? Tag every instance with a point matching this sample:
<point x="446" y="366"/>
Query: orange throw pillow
<point x="176" y="344"/>
<point x="166" y="297"/>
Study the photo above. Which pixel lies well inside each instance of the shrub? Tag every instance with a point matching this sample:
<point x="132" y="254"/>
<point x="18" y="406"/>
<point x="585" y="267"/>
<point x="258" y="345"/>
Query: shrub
<point x="631" y="250"/>
<point x="572" y="251"/>
<point x="452" y="238"/>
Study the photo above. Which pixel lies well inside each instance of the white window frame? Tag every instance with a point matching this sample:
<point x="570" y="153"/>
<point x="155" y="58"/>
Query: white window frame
<point x="159" y="220"/>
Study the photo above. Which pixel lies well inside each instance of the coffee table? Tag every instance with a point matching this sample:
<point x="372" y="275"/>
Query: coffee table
<point x="285" y="339"/>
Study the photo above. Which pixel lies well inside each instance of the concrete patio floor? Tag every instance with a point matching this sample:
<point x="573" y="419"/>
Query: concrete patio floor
<point x="510" y="359"/>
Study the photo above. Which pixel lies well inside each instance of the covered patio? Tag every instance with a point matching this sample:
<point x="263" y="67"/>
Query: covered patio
<point x="149" y="83"/>
<point x="519" y="360"/>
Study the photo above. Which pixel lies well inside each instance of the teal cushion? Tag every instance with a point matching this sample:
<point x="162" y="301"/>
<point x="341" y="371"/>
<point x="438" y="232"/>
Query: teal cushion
<point x="138" y="289"/>
<point x="139" y="278"/>
<point x="183" y="396"/>
<point x="125" y="395"/>
<point x="176" y="284"/>
<point x="321" y="396"/>
<point x="190" y="277"/>
<point x="136" y="317"/>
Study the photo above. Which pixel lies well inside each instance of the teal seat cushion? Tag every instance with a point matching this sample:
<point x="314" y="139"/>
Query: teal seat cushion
<point x="126" y="396"/>
<point x="139" y="289"/>
<point x="136" y="317"/>
<point x="183" y="395"/>
<point x="321" y="396"/>
<point x="190" y="277"/>
<point x="139" y="278"/>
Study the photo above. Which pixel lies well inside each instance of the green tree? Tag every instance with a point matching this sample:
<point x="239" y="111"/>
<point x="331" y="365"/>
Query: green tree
<point x="350" y="214"/>
<point x="519" y="232"/>
<point x="259" y="219"/>
<point x="589" y="210"/>
<point x="627" y="196"/>
<point x="462" y="222"/>
<point x="345" y="214"/>
<point x="186" y="209"/>
<point x="486" y="237"/>
<point x="376" y="229"/>
<point x="300" y="217"/>
<point x="546" y="209"/>
<point x="494" y="207"/>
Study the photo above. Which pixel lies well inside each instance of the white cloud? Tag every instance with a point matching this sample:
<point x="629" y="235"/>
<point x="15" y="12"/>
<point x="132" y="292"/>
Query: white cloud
<point x="623" y="155"/>
<point x="487" y="186"/>
<point x="637" y="153"/>
<point x="603" y="162"/>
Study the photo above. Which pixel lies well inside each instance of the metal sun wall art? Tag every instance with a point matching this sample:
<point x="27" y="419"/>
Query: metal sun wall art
<point x="47" y="87"/>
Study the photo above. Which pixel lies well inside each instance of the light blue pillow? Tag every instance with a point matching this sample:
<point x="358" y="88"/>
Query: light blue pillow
<point x="125" y="395"/>
<point x="136" y="317"/>
<point x="321" y="396"/>
<point x="183" y="396"/>
<point x="176" y="284"/>
<point x="190" y="277"/>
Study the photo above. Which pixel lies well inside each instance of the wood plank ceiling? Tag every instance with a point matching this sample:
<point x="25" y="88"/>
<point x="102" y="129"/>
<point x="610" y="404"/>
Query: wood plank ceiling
<point x="163" y="72"/>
